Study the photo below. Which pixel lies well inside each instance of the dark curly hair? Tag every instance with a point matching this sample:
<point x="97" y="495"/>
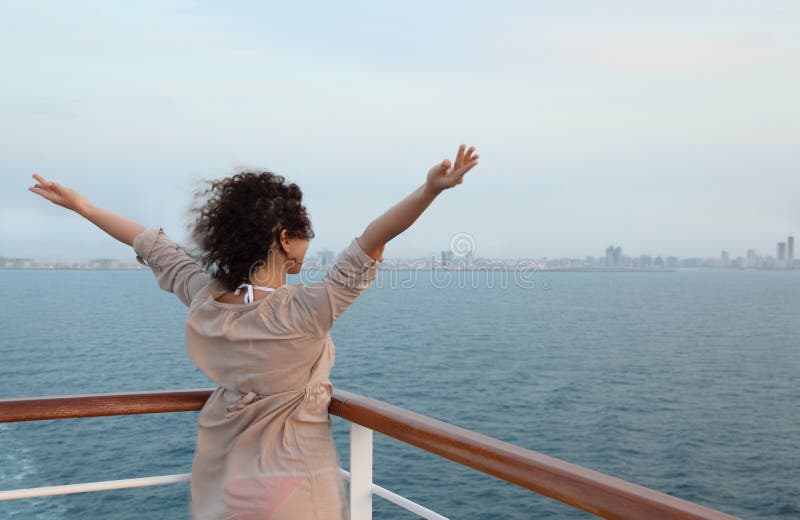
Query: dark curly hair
<point x="238" y="219"/>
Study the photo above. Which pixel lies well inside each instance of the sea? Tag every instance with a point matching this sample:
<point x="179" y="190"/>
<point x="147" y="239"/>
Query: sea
<point x="686" y="382"/>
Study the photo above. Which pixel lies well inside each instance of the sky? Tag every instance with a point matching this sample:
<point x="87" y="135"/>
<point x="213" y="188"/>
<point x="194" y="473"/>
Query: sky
<point x="669" y="128"/>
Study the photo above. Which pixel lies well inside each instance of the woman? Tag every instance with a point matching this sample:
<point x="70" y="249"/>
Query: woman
<point x="264" y="443"/>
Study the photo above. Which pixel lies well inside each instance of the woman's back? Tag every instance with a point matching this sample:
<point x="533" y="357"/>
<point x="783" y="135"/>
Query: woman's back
<point x="264" y="445"/>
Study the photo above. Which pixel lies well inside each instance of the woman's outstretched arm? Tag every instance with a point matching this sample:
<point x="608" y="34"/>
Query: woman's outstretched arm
<point x="118" y="227"/>
<point x="175" y="271"/>
<point x="400" y="216"/>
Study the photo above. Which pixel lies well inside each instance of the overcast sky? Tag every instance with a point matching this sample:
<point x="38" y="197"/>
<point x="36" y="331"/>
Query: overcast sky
<point x="669" y="129"/>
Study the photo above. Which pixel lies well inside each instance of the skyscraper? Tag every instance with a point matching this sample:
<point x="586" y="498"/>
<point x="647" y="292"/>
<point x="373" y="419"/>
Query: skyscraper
<point x="448" y="257"/>
<point x="613" y="256"/>
<point x="781" y="253"/>
<point x="790" y="251"/>
<point x="752" y="260"/>
<point x="327" y="257"/>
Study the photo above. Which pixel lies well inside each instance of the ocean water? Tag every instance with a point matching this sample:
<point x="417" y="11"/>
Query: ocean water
<point x="684" y="382"/>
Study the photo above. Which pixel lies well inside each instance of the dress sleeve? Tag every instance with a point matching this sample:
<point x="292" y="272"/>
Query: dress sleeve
<point x="174" y="269"/>
<point x="319" y="304"/>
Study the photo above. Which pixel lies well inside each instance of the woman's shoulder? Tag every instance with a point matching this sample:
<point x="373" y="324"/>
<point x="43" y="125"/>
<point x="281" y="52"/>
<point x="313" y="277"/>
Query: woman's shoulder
<point x="293" y="307"/>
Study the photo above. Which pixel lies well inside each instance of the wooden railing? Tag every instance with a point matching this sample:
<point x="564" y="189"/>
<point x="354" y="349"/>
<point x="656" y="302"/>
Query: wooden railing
<point x="589" y="490"/>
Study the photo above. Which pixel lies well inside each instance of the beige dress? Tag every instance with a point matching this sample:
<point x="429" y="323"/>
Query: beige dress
<point x="264" y="443"/>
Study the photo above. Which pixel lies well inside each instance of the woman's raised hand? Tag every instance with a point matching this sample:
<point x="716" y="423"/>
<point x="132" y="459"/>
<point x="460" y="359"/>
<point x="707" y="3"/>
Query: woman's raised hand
<point x="58" y="194"/>
<point x="446" y="175"/>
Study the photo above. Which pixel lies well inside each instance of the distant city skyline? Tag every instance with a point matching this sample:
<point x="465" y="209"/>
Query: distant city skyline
<point x="464" y="251"/>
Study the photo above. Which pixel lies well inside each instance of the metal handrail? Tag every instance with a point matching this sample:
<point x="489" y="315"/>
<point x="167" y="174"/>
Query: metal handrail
<point x="591" y="491"/>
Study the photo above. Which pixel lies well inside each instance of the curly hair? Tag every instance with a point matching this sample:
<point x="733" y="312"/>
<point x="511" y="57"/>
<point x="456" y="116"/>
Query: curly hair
<point x="239" y="218"/>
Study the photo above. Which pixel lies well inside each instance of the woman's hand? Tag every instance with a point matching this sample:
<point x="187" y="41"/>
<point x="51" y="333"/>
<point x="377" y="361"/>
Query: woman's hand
<point x="118" y="227"/>
<point x="444" y="175"/>
<point x="61" y="195"/>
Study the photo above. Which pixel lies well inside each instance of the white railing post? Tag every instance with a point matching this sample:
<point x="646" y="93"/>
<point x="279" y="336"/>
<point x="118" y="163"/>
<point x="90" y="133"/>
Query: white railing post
<point x="360" y="472"/>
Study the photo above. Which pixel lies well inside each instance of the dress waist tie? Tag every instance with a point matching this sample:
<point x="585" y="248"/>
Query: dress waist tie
<point x="243" y="401"/>
<point x="311" y="390"/>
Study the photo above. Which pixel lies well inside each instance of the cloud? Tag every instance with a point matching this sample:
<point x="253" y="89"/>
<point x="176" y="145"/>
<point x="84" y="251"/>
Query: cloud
<point x="48" y="107"/>
<point x="649" y="53"/>
<point x="671" y="54"/>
